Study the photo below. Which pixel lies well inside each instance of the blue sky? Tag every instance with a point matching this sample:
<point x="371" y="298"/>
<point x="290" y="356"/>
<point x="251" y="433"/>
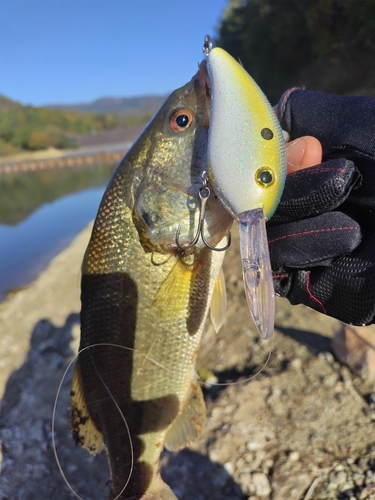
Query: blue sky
<point x="70" y="51"/>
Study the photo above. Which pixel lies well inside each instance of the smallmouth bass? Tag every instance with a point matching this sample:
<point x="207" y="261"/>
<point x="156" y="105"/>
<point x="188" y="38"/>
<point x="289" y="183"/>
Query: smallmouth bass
<point x="148" y="275"/>
<point x="145" y="301"/>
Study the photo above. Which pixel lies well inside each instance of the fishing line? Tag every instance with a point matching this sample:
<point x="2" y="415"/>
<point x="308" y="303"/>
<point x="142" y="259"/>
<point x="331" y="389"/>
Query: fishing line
<point x="146" y="356"/>
<point x="126" y="425"/>
<point x="114" y="401"/>
<point x="53" y="431"/>
<point x="314" y="484"/>
<point x="252" y="376"/>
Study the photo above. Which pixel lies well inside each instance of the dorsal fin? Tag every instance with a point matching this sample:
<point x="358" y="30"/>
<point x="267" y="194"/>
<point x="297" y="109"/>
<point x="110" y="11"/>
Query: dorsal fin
<point x="84" y="429"/>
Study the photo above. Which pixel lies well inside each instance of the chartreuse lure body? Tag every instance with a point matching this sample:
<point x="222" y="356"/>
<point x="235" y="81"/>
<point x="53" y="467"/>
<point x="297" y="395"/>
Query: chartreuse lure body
<point x="247" y="169"/>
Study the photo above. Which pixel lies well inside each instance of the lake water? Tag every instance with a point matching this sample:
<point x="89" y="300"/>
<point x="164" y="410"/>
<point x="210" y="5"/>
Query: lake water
<point x="37" y="228"/>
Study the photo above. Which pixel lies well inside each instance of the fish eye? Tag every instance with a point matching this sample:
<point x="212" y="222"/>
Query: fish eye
<point x="180" y="120"/>
<point x="264" y="177"/>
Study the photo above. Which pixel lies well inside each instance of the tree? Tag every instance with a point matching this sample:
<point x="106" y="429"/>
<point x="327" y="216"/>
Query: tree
<point x="325" y="44"/>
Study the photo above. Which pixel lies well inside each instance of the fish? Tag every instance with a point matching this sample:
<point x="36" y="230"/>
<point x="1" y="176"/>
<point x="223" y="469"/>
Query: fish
<point x="247" y="171"/>
<point x="144" y="299"/>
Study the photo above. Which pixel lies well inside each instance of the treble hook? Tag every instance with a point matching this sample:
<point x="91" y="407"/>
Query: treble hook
<point x="204" y="194"/>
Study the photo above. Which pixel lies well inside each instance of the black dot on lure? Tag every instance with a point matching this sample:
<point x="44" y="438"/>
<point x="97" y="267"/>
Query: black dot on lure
<point x="182" y="121"/>
<point x="264" y="177"/>
<point x="266" y="133"/>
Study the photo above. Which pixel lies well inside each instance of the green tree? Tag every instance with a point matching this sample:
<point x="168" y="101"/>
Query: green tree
<point x="325" y="44"/>
<point x="32" y="128"/>
<point x="38" y="140"/>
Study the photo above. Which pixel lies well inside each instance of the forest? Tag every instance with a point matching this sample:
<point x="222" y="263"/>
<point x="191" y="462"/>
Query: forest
<point x="326" y="45"/>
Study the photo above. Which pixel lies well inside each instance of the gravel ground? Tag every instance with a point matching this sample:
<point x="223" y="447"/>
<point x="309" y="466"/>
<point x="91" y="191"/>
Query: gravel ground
<point x="302" y="428"/>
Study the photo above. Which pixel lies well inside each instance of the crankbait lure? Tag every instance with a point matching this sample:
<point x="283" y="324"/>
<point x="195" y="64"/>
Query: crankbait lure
<point x="247" y="170"/>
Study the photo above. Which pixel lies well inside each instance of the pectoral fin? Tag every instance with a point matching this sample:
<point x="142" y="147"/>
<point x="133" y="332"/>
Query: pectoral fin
<point x="84" y="429"/>
<point x="189" y="423"/>
<point x="172" y="297"/>
<point x="219" y="302"/>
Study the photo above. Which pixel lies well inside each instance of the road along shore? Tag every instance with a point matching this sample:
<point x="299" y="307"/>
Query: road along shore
<point x="54" y="158"/>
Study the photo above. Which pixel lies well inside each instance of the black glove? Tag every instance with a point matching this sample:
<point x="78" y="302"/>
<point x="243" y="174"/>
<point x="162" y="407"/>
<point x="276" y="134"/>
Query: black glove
<point x="322" y="236"/>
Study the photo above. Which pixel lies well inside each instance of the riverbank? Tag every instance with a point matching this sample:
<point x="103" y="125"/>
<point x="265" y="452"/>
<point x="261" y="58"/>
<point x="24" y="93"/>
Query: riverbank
<point x="52" y="296"/>
<point x="302" y="428"/>
<point x="59" y="158"/>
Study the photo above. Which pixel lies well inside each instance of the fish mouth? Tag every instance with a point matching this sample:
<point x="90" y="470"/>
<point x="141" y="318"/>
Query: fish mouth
<point x="202" y="79"/>
<point x="167" y="206"/>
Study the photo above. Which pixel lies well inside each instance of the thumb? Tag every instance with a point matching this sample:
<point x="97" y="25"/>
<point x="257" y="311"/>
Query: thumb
<point x="303" y="152"/>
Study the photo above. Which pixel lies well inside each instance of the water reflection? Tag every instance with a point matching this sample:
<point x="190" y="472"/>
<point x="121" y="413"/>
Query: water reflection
<point x="44" y="218"/>
<point x="23" y="192"/>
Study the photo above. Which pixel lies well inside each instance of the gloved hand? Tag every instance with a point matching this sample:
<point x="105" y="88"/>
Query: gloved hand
<point x="322" y="236"/>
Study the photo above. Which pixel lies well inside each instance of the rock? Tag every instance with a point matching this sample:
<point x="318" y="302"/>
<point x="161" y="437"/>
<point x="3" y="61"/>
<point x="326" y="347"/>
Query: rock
<point x="296" y="364"/>
<point x="261" y="484"/>
<point x="294" y="456"/>
<point x="355" y="346"/>
<point x="247" y="486"/>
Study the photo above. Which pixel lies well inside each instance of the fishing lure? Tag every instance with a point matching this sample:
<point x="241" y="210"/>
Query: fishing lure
<point x="247" y="170"/>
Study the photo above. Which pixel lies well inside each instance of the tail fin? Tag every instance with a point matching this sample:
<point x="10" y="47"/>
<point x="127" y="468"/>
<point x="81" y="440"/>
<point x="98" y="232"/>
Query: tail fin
<point x="159" y="490"/>
<point x="165" y="493"/>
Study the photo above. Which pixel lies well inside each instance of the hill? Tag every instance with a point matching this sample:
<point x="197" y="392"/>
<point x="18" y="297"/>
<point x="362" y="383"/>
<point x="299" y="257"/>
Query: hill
<point x="7" y="104"/>
<point x="126" y="106"/>
<point x="30" y="128"/>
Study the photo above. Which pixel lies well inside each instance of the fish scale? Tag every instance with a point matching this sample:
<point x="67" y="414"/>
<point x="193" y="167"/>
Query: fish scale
<point x="163" y="349"/>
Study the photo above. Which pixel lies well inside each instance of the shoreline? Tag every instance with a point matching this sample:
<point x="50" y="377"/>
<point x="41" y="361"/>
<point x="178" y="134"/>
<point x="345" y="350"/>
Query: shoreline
<point x="59" y="158"/>
<point x="53" y="296"/>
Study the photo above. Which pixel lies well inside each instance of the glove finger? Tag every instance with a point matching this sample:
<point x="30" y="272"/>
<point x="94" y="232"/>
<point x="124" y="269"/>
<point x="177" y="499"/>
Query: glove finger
<point x="315" y="190"/>
<point x="341" y="123"/>
<point x="312" y="242"/>
<point x="345" y="290"/>
<point x="345" y="127"/>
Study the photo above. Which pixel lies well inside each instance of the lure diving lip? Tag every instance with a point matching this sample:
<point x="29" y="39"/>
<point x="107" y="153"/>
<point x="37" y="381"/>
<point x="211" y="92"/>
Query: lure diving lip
<point x="247" y="170"/>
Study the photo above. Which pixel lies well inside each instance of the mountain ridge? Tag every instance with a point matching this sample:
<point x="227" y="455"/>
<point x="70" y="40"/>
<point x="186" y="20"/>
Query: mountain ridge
<point x="127" y="106"/>
<point x="6" y="103"/>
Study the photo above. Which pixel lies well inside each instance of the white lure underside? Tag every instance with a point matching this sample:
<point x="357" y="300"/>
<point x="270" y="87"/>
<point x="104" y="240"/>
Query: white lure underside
<point x="247" y="168"/>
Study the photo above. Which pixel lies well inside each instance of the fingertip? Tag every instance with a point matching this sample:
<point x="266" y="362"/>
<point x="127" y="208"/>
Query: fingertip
<point x="303" y="152"/>
<point x="313" y="152"/>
